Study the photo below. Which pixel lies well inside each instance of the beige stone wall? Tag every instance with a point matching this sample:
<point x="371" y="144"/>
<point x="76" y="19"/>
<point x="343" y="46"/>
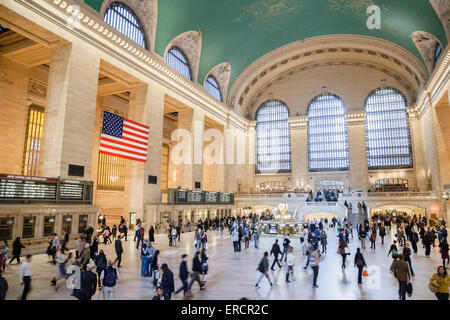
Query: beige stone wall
<point x="15" y="98"/>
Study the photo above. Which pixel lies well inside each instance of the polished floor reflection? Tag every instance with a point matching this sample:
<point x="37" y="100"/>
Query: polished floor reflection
<point x="232" y="276"/>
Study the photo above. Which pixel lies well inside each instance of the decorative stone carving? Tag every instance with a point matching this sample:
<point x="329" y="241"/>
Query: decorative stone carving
<point x="426" y="44"/>
<point x="442" y="8"/>
<point x="221" y="73"/>
<point x="37" y="89"/>
<point x="191" y="44"/>
<point x="146" y="11"/>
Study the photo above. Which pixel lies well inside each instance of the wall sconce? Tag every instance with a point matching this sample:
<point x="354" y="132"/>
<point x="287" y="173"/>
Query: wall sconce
<point x="69" y="219"/>
<point x="445" y="195"/>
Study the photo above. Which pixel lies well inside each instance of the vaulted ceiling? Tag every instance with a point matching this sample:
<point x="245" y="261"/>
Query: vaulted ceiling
<point x="241" y="31"/>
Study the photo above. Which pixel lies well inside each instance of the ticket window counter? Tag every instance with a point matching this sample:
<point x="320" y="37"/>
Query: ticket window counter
<point x="165" y="218"/>
<point x="193" y="217"/>
<point x="6" y="228"/>
<point x="67" y="224"/>
<point x="49" y="226"/>
<point x="82" y="223"/>
<point x="28" y="227"/>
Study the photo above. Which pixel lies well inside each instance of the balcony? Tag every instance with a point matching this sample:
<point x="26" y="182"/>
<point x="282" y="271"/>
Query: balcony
<point x="196" y="197"/>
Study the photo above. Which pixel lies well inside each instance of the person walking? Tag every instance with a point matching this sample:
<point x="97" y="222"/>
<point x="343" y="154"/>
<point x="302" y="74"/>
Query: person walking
<point x="402" y="274"/>
<point x="167" y="282"/>
<point x="428" y="240"/>
<point x="17" y="250"/>
<point x="382" y="232"/>
<point x="275" y="251"/>
<point x="88" y="280"/>
<point x="362" y="237"/>
<point x="290" y="261"/>
<point x="343" y="251"/>
<point x="444" y="252"/>
<point x="407" y="257"/>
<point x="196" y="271"/>
<point x="204" y="260"/>
<point x="235" y="238"/>
<point x="394" y="252"/>
<point x="198" y="239"/>
<point x="25" y="277"/>
<point x="5" y="253"/>
<point x="439" y="283"/>
<point x="119" y="250"/>
<point x="3" y="287"/>
<point x="155" y="268"/>
<point x="323" y="242"/>
<point x="286" y="244"/>
<point x="144" y="260"/>
<point x="151" y="234"/>
<point x="373" y="238"/>
<point x="256" y="238"/>
<point x="313" y="261"/>
<point x="360" y="263"/>
<point x="101" y="264"/>
<point x="184" y="274"/>
<point x="109" y="278"/>
<point x="263" y="268"/>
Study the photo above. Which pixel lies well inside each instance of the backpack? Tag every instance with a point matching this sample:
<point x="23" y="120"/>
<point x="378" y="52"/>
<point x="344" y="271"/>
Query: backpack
<point x="141" y="232"/>
<point x="394" y="253"/>
<point x="261" y="267"/>
<point x="110" y="277"/>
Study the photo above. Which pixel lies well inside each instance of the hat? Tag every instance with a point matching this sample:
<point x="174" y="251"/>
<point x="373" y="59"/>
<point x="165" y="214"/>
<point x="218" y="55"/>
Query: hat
<point x="91" y="264"/>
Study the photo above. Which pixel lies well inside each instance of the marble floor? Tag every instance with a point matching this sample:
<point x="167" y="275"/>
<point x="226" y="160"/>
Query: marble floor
<point x="232" y="276"/>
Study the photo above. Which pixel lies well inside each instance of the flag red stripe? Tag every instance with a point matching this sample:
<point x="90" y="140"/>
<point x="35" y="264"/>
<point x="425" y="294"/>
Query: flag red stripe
<point x="123" y="143"/>
<point x="137" y="123"/>
<point x="121" y="156"/>
<point x="135" y="129"/>
<point x="132" y="140"/>
<point x="123" y="150"/>
<point x="135" y="134"/>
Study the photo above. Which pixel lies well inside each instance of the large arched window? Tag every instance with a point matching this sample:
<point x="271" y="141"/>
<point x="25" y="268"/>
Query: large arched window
<point x="178" y="60"/>
<point x="124" y="20"/>
<point x="327" y="134"/>
<point x="387" y="130"/>
<point x="273" y="138"/>
<point x="212" y="87"/>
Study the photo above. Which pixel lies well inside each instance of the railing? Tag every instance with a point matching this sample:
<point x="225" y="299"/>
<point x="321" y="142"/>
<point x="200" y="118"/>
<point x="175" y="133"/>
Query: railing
<point x="401" y="194"/>
<point x="181" y="196"/>
<point x="16" y="189"/>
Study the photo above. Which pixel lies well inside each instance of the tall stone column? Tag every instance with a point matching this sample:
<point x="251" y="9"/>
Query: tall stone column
<point x="192" y="121"/>
<point x="146" y="107"/>
<point x="69" y="117"/>
<point x="357" y="151"/>
<point x="299" y="151"/>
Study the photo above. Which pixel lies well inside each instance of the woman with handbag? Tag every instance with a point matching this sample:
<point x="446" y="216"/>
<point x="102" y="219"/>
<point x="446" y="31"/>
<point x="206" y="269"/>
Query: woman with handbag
<point x="439" y="284"/>
<point x="360" y="263"/>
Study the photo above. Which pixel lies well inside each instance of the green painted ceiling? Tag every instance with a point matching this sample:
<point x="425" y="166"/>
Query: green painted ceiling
<point x="241" y="31"/>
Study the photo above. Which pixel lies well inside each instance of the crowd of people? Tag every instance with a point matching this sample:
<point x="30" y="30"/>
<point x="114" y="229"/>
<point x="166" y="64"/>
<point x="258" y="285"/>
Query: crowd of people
<point x="88" y="270"/>
<point x="328" y="195"/>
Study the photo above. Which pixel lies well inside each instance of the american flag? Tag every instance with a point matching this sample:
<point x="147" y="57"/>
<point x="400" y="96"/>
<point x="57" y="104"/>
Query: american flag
<point x="123" y="138"/>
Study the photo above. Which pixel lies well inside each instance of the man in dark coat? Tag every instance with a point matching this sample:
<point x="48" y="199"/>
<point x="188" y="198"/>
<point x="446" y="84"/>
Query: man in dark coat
<point x="167" y="282"/>
<point x="184" y="273"/>
<point x="17" y="250"/>
<point x="119" y="251"/>
<point x="275" y="251"/>
<point x="88" y="282"/>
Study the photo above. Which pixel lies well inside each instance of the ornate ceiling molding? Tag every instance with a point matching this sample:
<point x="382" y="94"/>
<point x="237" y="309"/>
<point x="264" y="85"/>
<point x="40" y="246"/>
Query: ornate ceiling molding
<point x="147" y="12"/>
<point x="407" y="84"/>
<point x="350" y="47"/>
<point x="191" y="44"/>
<point x="222" y="74"/>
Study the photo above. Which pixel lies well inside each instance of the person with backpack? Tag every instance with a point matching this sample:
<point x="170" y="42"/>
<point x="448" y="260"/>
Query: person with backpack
<point x="144" y="260"/>
<point x="373" y="238"/>
<point x="394" y="252"/>
<point x="100" y="263"/>
<point x="184" y="273"/>
<point x="407" y="257"/>
<point x="439" y="284"/>
<point x="167" y="282"/>
<point x="119" y="250"/>
<point x="141" y="234"/>
<point x="109" y="278"/>
<point x="360" y="263"/>
<point x="402" y="274"/>
<point x="286" y="244"/>
<point x="313" y="262"/>
<point x="263" y="267"/>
